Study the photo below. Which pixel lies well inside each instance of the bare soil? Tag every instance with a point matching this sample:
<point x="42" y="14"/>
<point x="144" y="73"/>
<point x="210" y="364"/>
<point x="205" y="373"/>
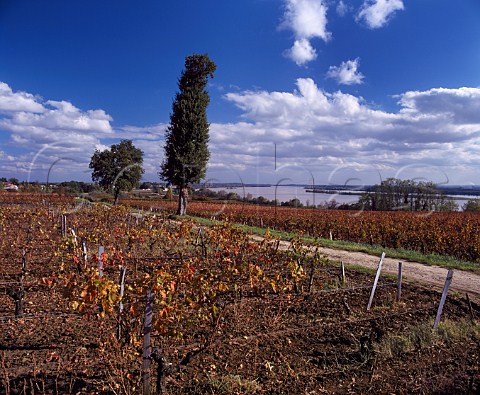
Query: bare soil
<point x="318" y="342"/>
<point x="310" y="343"/>
<point x="422" y="274"/>
<point x="430" y="275"/>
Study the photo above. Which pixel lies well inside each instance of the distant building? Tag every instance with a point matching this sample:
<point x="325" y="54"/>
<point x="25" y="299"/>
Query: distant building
<point x="10" y="187"/>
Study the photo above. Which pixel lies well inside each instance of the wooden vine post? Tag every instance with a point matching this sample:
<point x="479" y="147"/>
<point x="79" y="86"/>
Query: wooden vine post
<point x="342" y="273"/>
<point x="84" y="250"/>
<point x="120" y="306"/>
<point x="312" y="274"/>
<point x="448" y="281"/>
<point x="101" y="250"/>
<point x="63" y="224"/>
<point x="377" y="276"/>
<point x="24" y="260"/>
<point x="147" y="348"/>
<point x="74" y="237"/>
<point x="399" y="282"/>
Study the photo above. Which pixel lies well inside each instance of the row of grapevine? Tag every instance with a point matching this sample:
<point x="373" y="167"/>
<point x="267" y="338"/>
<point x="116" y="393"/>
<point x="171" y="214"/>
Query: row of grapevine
<point x="455" y="234"/>
<point x="214" y="294"/>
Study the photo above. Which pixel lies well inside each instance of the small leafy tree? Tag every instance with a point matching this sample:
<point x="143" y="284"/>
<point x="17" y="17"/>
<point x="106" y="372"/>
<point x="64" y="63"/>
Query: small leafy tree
<point x="471" y="205"/>
<point x="119" y="168"/>
<point x="186" y="138"/>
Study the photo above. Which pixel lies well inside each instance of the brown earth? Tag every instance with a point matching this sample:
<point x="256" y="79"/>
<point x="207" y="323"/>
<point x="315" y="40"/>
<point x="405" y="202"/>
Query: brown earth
<point x="323" y="342"/>
<point x="318" y="342"/>
<point x="428" y="275"/>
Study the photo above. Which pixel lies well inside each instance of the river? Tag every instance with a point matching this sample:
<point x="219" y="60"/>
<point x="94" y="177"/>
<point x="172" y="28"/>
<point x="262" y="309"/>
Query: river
<point x="285" y="193"/>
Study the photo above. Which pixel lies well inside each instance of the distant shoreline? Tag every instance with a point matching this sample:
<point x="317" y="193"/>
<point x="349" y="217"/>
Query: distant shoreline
<point x="463" y="192"/>
<point x="335" y="192"/>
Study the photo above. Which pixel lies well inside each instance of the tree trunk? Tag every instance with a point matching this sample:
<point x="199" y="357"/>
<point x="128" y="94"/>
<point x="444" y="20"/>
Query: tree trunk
<point x="182" y="201"/>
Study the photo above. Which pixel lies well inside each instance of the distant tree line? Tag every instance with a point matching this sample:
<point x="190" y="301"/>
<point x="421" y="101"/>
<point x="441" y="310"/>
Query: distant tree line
<point x="75" y="187"/>
<point x="248" y="198"/>
<point x="406" y="195"/>
<point x="391" y="195"/>
<point x="13" y="181"/>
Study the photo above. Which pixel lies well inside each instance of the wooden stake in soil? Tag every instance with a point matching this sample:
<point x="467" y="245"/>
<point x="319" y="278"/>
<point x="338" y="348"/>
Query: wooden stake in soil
<point x="448" y="281"/>
<point x="84" y="249"/>
<point x="379" y="269"/>
<point x="101" y="250"/>
<point x="342" y="273"/>
<point x="312" y="274"/>
<point x="399" y="282"/>
<point x="24" y="260"/>
<point x="74" y="237"/>
<point x="63" y="220"/>
<point x="147" y="348"/>
<point x="120" y="305"/>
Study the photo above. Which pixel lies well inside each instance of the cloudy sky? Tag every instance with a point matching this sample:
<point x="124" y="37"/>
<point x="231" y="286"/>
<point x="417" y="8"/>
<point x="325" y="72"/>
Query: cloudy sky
<point x="343" y="91"/>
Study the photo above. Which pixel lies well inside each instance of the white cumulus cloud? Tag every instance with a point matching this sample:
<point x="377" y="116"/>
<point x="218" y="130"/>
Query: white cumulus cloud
<point x="314" y="132"/>
<point x="18" y="101"/>
<point x="42" y="133"/>
<point x="438" y="128"/>
<point x="45" y="132"/>
<point x="377" y="13"/>
<point x="347" y="73"/>
<point x="308" y="20"/>
<point x="302" y="52"/>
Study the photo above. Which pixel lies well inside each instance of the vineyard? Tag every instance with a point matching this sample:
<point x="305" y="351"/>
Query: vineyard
<point x="455" y="234"/>
<point x="123" y="300"/>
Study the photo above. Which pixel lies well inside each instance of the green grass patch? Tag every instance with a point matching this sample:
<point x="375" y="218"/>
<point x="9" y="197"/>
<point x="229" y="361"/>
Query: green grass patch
<point x="422" y="336"/>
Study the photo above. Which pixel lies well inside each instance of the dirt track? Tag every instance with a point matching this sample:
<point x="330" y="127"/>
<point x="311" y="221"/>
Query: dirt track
<point x="434" y="276"/>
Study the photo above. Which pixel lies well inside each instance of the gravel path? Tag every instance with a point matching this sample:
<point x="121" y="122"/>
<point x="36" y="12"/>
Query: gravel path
<point x="434" y="276"/>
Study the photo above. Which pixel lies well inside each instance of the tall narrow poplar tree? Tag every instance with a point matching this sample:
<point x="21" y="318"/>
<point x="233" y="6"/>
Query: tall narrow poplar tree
<point x="186" y="138"/>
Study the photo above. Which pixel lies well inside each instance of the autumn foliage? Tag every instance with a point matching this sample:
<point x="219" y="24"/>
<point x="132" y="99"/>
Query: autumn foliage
<point x="454" y="234"/>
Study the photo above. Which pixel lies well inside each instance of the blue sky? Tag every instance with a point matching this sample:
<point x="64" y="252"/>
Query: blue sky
<point x="349" y="91"/>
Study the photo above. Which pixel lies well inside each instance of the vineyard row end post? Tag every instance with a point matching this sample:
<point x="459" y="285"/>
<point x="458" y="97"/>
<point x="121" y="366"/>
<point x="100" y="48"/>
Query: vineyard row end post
<point x="448" y="281"/>
<point x="399" y="282"/>
<point x="377" y="276"/>
<point x="147" y="348"/>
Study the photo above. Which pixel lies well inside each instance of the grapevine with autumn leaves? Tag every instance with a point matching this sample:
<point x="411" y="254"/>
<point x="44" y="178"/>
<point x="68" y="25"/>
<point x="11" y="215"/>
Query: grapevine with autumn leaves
<point x="194" y="273"/>
<point x="444" y="233"/>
